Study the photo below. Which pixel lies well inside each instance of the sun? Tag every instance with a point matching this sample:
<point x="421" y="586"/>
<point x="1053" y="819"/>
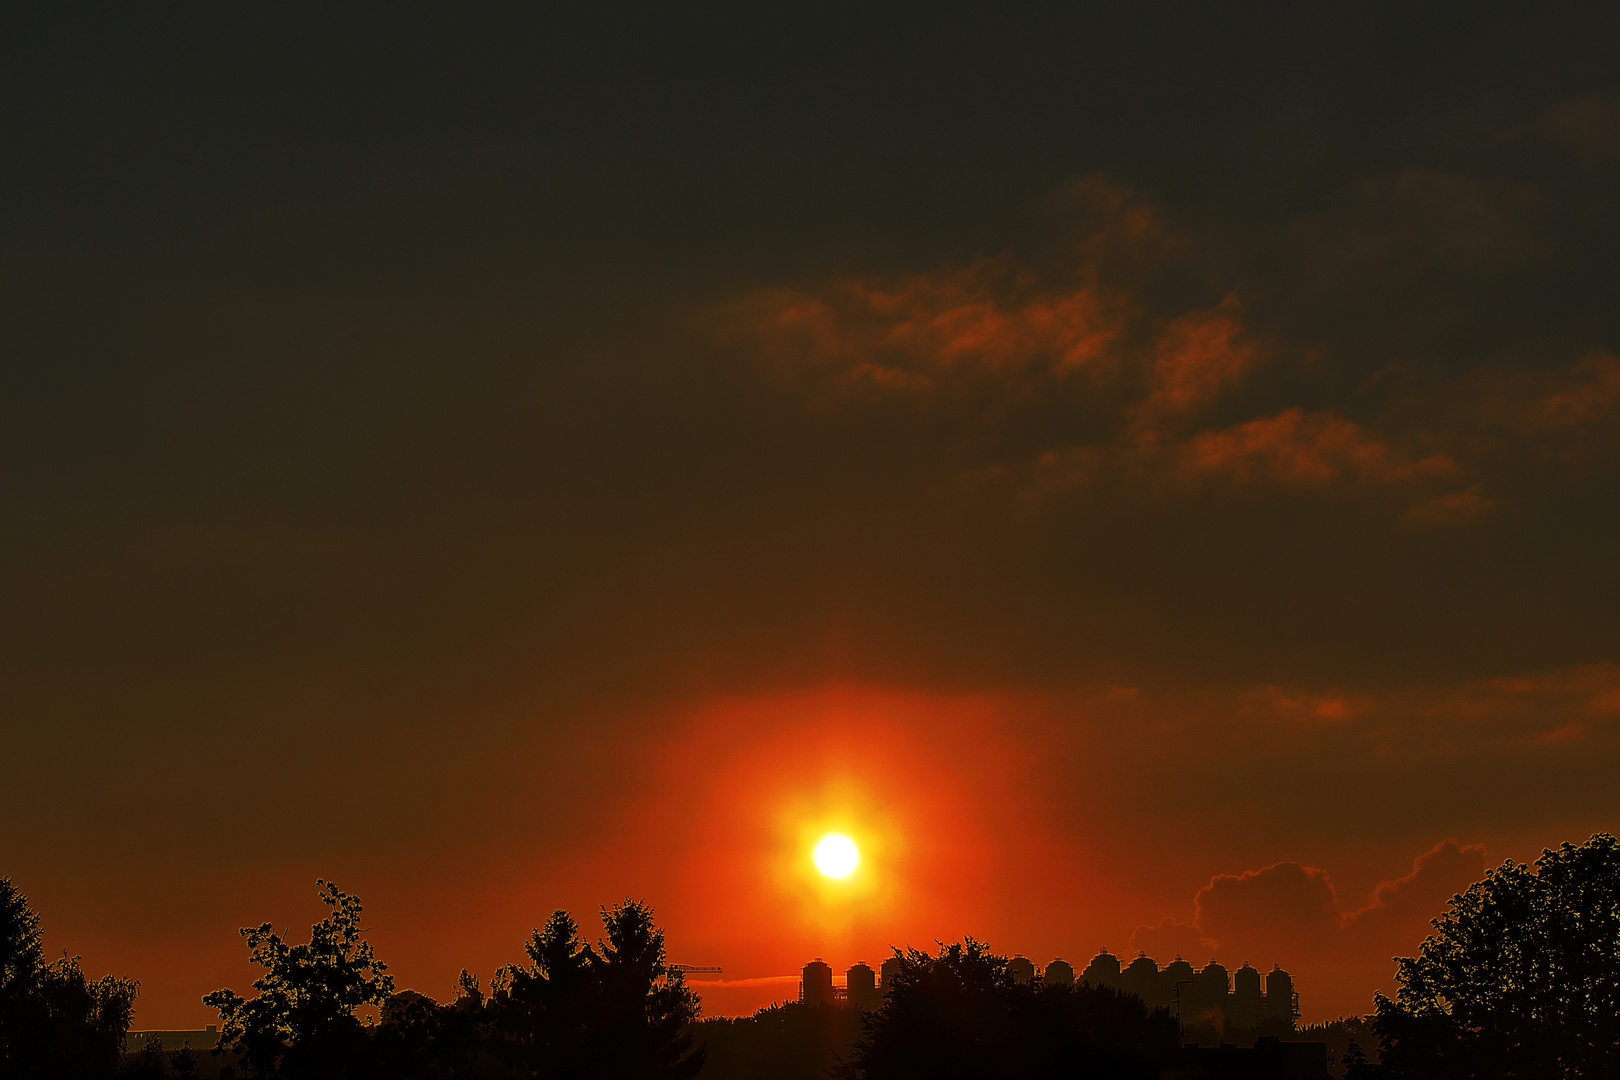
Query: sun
<point x="836" y="856"/>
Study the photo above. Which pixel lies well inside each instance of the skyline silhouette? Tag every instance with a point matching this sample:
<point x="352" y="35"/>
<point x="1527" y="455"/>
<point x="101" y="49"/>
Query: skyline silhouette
<point x="1513" y="982"/>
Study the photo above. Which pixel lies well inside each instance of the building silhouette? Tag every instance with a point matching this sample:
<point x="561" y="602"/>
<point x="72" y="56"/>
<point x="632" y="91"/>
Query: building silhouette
<point x="1248" y="997"/>
<point x="1210" y="997"/>
<point x="860" y="989"/>
<point x="1282" y="1003"/>
<point x="1103" y="970"/>
<point x="816" y="984"/>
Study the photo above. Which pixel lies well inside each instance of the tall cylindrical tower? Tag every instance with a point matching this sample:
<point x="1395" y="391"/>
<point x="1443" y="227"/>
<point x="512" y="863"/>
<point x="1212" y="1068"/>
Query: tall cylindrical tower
<point x="816" y="984"/>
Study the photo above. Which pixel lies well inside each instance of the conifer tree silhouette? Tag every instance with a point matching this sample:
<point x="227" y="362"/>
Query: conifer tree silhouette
<point x="54" y="1020"/>
<point x="613" y="1012"/>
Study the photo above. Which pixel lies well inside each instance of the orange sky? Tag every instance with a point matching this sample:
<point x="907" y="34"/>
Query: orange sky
<point x="1048" y="827"/>
<point x="1149" y="478"/>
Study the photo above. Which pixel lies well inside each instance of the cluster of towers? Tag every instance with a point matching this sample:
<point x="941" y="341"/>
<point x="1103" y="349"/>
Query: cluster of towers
<point x="860" y="989"/>
<point x="1210" y="997"/>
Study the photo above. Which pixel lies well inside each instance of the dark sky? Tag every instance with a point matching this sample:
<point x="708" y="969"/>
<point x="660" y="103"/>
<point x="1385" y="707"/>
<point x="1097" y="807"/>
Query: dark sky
<point x="1161" y="460"/>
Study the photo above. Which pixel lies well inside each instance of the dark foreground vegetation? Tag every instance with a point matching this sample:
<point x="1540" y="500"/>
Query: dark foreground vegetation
<point x="1519" y="981"/>
<point x="53" y="1020"/>
<point x="958" y="1013"/>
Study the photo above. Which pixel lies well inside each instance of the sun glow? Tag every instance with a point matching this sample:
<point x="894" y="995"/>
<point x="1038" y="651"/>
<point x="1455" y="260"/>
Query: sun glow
<point x="836" y="856"/>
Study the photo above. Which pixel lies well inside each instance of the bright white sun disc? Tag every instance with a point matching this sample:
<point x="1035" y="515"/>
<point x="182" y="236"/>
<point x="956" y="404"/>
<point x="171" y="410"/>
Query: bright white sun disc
<point x="836" y="856"/>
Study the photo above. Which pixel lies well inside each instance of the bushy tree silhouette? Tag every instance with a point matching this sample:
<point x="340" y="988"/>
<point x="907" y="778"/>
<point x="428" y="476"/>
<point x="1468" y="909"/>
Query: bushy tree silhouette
<point x="54" y="1021"/>
<point x="615" y="1012"/>
<point x="153" y="1062"/>
<point x="303" y="1022"/>
<point x="791" y="1041"/>
<point x="419" y="1039"/>
<point x="85" y="1022"/>
<point x="960" y="1014"/>
<point x="1521" y="978"/>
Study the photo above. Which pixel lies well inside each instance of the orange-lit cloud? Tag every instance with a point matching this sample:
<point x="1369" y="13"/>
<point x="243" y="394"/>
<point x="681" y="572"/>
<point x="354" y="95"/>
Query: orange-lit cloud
<point x="906" y="335"/>
<point x="1552" y="707"/>
<point x="1199" y="357"/>
<point x="1593" y="392"/>
<point x="1162" y="396"/>
<point x="1454" y="507"/>
<point x="1292" y="913"/>
<point x="1295" y="448"/>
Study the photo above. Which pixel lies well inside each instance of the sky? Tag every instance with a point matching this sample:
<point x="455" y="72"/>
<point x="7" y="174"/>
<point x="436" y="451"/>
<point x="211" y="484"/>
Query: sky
<point x="1147" y="473"/>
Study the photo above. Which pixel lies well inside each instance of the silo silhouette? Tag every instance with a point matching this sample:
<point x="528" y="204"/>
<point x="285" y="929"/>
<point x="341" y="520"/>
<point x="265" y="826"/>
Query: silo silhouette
<point x="816" y="985"/>
<point x="860" y="987"/>
<point x="1103" y="970"/>
<point x="1248" y="999"/>
<point x="1281" y="1002"/>
<point x="1142" y="979"/>
<point x="889" y="968"/>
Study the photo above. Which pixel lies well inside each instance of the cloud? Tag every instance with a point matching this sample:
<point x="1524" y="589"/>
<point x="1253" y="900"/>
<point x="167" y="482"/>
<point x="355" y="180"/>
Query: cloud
<point x="1285" y="906"/>
<point x="1299" y="449"/>
<point x="1403" y="906"/>
<point x="1455" y="508"/>
<point x="1588" y="398"/>
<point x="723" y="984"/>
<point x="1290" y="913"/>
<point x="1523" y="415"/>
<point x="1199" y="357"/>
<point x="1171" y="938"/>
<point x="1080" y="354"/>
<point x="1328" y="708"/>
<point x="910" y="333"/>
<point x="1550" y="708"/>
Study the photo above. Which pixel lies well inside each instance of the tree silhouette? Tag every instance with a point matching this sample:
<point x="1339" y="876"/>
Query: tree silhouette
<point x="22" y="956"/>
<point x="790" y="1041"/>
<point x="647" y="1010"/>
<point x="303" y="1022"/>
<point x="183" y="1063"/>
<point x="419" y="1039"/>
<point x="1356" y="1065"/>
<point x="54" y="1021"/>
<point x="152" y="1062"/>
<point x="85" y="1021"/>
<point x="615" y="1012"/>
<point x="961" y="1014"/>
<point x="544" y="1009"/>
<point x="1521" y="978"/>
